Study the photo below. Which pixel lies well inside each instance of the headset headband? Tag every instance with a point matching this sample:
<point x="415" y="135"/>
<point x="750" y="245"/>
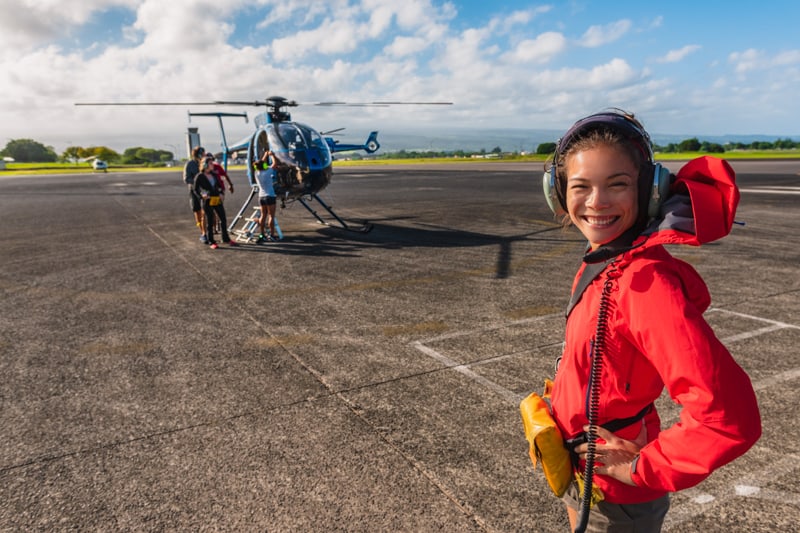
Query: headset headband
<point x="620" y="121"/>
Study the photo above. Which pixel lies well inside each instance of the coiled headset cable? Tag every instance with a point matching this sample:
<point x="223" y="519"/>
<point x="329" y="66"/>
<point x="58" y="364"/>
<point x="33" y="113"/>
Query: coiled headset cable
<point x="593" y="395"/>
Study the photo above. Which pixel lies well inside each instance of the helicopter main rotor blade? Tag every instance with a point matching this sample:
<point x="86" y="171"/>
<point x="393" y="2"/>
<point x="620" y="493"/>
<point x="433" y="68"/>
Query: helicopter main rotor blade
<point x="378" y="104"/>
<point x="256" y="103"/>
<point x="413" y="103"/>
<point x="144" y="103"/>
<point x="346" y="104"/>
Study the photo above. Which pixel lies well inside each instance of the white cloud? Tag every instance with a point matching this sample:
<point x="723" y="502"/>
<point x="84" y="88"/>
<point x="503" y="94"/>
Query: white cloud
<point x="507" y="69"/>
<point x="599" y="35"/>
<point x="404" y="46"/>
<point x="615" y="73"/>
<point x="540" y="50"/>
<point x="674" y="56"/>
<point x="182" y="26"/>
<point x="656" y="22"/>
<point x="333" y="37"/>
<point x="27" y="24"/>
<point x="296" y="12"/>
<point x="789" y="57"/>
<point x="752" y="59"/>
<point x="521" y="18"/>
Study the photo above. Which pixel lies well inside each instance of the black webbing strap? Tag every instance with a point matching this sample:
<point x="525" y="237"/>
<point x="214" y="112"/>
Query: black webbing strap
<point x="612" y="426"/>
<point x="591" y="271"/>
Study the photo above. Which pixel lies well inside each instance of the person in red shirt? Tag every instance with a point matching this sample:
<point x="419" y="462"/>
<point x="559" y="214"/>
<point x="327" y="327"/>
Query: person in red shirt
<point x="635" y="326"/>
<point x="219" y="171"/>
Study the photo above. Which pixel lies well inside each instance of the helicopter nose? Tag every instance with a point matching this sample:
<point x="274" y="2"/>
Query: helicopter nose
<point x="319" y="179"/>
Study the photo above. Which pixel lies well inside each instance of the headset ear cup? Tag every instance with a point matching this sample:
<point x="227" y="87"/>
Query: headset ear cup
<point x="659" y="191"/>
<point x="550" y="192"/>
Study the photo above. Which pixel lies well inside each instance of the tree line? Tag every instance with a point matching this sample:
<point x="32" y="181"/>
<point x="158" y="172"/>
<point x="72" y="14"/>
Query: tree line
<point x="30" y="151"/>
<point x="695" y="145"/>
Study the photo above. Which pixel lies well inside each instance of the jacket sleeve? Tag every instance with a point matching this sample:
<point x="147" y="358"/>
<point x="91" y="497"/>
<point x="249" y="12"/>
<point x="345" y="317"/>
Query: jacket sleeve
<point x="200" y="183"/>
<point x="719" y="418"/>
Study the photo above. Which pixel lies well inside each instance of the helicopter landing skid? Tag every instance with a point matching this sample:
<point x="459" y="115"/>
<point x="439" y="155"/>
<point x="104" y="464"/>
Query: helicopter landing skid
<point x="364" y="228"/>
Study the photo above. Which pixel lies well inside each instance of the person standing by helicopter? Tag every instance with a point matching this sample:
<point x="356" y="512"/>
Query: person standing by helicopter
<point x="267" y="199"/>
<point x="635" y="325"/>
<point x="219" y="172"/>
<point x="208" y="187"/>
<point x="190" y="170"/>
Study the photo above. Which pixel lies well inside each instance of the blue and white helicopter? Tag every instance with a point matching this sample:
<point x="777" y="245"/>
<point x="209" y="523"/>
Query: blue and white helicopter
<point x="305" y="156"/>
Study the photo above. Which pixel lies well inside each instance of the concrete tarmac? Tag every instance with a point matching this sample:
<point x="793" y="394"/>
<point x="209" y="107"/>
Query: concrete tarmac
<point x="340" y="381"/>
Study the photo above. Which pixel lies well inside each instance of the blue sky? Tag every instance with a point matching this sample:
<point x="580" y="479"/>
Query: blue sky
<point x="685" y="68"/>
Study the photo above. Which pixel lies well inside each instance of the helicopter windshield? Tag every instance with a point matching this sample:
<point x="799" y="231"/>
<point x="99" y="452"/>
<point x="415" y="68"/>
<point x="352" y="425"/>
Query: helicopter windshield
<point x="299" y="145"/>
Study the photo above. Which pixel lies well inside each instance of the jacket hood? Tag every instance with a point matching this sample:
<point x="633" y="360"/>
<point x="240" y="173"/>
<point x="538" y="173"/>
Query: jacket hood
<point x="701" y="206"/>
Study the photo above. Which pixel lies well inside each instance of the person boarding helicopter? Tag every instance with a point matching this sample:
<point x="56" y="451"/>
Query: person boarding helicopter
<point x="265" y="170"/>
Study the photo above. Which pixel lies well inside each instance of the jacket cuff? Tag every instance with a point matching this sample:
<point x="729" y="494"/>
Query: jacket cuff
<point x="634" y="477"/>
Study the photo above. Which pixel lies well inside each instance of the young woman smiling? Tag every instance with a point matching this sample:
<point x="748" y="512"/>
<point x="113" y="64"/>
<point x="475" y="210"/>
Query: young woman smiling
<point x="635" y="326"/>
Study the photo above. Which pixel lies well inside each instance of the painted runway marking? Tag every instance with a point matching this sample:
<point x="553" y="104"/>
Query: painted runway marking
<point x="771" y="190"/>
<point x="781" y="377"/>
<point x="465" y="369"/>
<point x="750" y="486"/>
<point x="774" y="326"/>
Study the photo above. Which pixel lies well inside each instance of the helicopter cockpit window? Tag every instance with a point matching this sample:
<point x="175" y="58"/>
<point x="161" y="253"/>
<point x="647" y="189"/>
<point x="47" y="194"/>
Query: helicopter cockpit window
<point x="299" y="145"/>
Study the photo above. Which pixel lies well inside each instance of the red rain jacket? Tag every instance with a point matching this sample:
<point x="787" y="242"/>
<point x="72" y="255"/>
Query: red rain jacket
<point x="657" y="337"/>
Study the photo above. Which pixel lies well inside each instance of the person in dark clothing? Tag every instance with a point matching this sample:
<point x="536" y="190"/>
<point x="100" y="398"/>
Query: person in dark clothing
<point x="208" y="186"/>
<point x="190" y="170"/>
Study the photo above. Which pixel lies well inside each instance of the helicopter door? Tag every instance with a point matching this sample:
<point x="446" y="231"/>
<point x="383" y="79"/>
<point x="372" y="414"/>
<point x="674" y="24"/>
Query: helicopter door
<point x="262" y="144"/>
<point x="259" y="144"/>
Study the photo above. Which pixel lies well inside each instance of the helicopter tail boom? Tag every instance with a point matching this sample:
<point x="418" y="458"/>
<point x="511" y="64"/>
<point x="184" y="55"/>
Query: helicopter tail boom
<point x="370" y="146"/>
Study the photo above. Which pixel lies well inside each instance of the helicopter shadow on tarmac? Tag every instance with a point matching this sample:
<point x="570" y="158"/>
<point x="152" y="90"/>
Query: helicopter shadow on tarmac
<point x="335" y="242"/>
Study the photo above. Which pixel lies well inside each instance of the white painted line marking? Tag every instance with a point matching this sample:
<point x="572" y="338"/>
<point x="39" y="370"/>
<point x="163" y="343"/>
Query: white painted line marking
<point x="753" y="333"/>
<point x="775" y="496"/>
<point x="771" y="191"/>
<point x="700" y="503"/>
<point x="748" y="486"/>
<point x="746" y="490"/>
<point x="775" y="325"/>
<point x="465" y="370"/>
<point x="776" y="379"/>
<point x="751" y="317"/>
<point x="702" y="499"/>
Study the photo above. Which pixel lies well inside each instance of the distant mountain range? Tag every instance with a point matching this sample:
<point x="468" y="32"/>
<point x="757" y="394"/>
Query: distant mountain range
<point x="521" y="140"/>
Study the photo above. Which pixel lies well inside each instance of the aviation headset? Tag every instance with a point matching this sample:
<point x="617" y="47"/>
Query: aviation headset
<point x="653" y="178"/>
